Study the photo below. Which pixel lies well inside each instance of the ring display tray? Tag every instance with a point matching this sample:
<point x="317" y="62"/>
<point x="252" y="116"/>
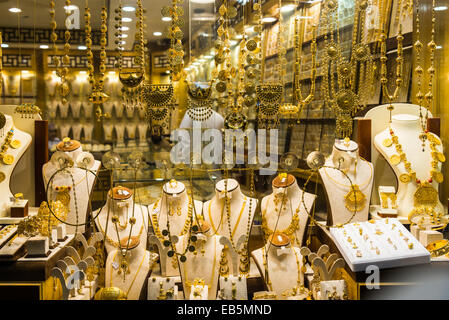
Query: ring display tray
<point x="385" y="243"/>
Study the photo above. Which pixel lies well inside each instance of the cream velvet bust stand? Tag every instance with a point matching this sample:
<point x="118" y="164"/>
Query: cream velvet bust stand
<point x="284" y="218"/>
<point x="25" y="142"/>
<point x="124" y="210"/>
<point x="282" y="267"/>
<point x="203" y="266"/>
<point x="140" y="262"/>
<point x="407" y="128"/>
<point x="174" y="196"/>
<point x="83" y="188"/>
<point x="240" y="216"/>
<point x="337" y="185"/>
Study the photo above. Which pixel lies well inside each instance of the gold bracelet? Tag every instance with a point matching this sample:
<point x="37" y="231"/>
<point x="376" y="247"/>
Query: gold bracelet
<point x="438" y="248"/>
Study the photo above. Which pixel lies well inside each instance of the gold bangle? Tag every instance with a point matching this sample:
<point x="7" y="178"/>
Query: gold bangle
<point x="438" y="248"/>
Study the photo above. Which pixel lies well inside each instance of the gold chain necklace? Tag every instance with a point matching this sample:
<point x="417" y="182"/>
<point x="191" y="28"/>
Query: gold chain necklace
<point x="289" y="231"/>
<point x="155" y="220"/>
<point x="135" y="277"/>
<point x="238" y="219"/>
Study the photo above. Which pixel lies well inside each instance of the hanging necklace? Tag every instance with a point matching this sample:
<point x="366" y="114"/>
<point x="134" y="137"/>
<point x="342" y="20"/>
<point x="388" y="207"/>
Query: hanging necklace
<point x="155" y="219"/>
<point x="425" y="100"/>
<point x="200" y="281"/>
<point x="222" y="211"/>
<point x="346" y="81"/>
<point x="98" y="96"/>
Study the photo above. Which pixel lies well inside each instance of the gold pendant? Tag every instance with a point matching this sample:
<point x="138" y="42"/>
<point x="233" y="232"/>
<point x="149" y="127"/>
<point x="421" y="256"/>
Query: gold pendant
<point x="2" y="176"/>
<point x="355" y="199"/>
<point x="425" y="196"/>
<point x="15" y="144"/>
<point x="8" y="159"/>
<point x="441" y="157"/>
<point x="387" y="143"/>
<point x="405" y="178"/>
<point x="395" y="159"/>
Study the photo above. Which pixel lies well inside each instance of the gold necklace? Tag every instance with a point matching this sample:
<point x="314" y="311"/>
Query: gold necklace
<point x="289" y="231"/>
<point x="199" y="281"/>
<point x="7" y="159"/>
<point x="155" y="220"/>
<point x="238" y="219"/>
<point x="135" y="276"/>
<point x="267" y="273"/>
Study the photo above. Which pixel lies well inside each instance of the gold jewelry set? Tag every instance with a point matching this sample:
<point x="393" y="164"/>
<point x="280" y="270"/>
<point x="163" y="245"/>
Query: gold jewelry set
<point x="384" y="196"/>
<point x="7" y="159"/>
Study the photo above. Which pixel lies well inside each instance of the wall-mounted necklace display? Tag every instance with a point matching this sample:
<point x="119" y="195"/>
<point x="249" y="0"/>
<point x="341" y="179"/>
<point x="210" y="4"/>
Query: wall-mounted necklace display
<point x="69" y="181"/>
<point x="346" y="80"/>
<point x="348" y="181"/>
<point x="283" y="211"/>
<point x="276" y="262"/>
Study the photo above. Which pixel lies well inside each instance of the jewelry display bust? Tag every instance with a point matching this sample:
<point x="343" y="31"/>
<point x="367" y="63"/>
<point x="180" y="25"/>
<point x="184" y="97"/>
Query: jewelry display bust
<point x="139" y="262"/>
<point x="280" y="265"/>
<point x="75" y="106"/>
<point x="120" y="132"/>
<point x="76" y="182"/>
<point x="64" y="109"/>
<point x="231" y="217"/>
<point x="19" y="142"/>
<point x="119" y="108"/>
<point x="142" y="129"/>
<point x="201" y="267"/>
<point x="284" y="209"/>
<point x="76" y="131"/>
<point x="88" y="129"/>
<point x="120" y="208"/>
<point x="347" y="203"/>
<point x="407" y="129"/>
<point x="88" y="108"/>
<point x="108" y="130"/>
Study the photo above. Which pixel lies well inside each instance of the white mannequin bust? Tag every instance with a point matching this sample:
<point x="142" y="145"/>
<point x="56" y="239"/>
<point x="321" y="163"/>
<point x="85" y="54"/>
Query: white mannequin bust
<point x="64" y="109"/>
<point x="215" y="121"/>
<point x="202" y="266"/>
<point x="119" y="108"/>
<point x="52" y="108"/>
<point x="408" y="129"/>
<point x="140" y="263"/>
<point x="88" y="130"/>
<point x="6" y="170"/>
<point x="84" y="183"/>
<point x="142" y="129"/>
<point x="284" y="263"/>
<point x="108" y="129"/>
<point x="75" y="106"/>
<point x="293" y="202"/>
<point x="345" y="155"/>
<point x="88" y="109"/>
<point x="131" y="132"/>
<point x="76" y="131"/>
<point x="129" y="111"/>
<point x="120" y="132"/>
<point x="107" y="108"/>
<point x="64" y="130"/>
<point x="121" y="205"/>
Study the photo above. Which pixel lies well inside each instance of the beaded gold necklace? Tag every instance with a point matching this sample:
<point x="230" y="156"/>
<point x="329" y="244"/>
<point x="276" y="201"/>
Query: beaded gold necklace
<point x="155" y="220"/>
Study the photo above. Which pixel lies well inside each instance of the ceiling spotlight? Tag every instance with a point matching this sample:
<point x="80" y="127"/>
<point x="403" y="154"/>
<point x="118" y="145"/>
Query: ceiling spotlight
<point x="126" y="19"/>
<point x="124" y="28"/>
<point x="122" y="42"/>
<point x="440" y="8"/>
<point x="43" y="46"/>
<point x="129" y="9"/>
<point x="15" y="10"/>
<point x="288" y="8"/>
<point x="157" y="34"/>
<point x="166" y="18"/>
<point x="208" y="57"/>
<point x="82" y="48"/>
<point x="5" y="45"/>
<point x="71" y="7"/>
<point x="269" y="19"/>
<point x="124" y="36"/>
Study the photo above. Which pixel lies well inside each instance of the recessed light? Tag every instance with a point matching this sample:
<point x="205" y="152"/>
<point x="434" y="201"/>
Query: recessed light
<point x="129" y="9"/>
<point x="167" y="72"/>
<point x="82" y="48"/>
<point x="126" y="19"/>
<point x="269" y="19"/>
<point x="83" y="72"/>
<point x="124" y="28"/>
<point x="5" y="45"/>
<point x="440" y="8"/>
<point x="208" y="57"/>
<point x="288" y="8"/>
<point x="166" y="18"/>
<point x="43" y="46"/>
<point x="124" y="36"/>
<point x="15" y="10"/>
<point x="122" y="42"/>
<point x="157" y="34"/>
<point x="439" y="47"/>
<point x="71" y="7"/>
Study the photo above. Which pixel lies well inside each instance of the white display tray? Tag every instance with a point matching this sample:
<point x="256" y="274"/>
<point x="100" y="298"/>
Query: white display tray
<point x="388" y="256"/>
